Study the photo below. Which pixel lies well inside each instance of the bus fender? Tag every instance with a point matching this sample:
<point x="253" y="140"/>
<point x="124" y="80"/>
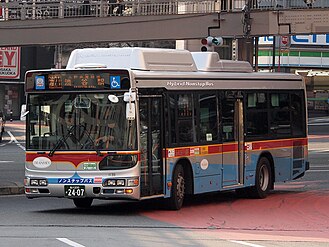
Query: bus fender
<point x="187" y="166"/>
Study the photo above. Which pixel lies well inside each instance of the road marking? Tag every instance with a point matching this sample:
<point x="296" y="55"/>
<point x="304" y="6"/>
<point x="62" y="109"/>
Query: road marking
<point x="13" y="139"/>
<point x="319" y="151"/>
<point x="245" y="243"/>
<point x="6" y="161"/>
<point x="69" y="242"/>
<point x="318" y="124"/>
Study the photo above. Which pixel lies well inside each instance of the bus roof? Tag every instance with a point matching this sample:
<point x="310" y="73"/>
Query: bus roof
<point x="151" y="59"/>
<point x="181" y="69"/>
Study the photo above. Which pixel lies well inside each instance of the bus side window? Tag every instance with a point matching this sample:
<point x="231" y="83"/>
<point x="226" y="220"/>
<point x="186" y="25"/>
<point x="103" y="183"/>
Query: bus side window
<point x="208" y="117"/>
<point x="256" y="120"/>
<point x="297" y="114"/>
<point x="182" y="118"/>
<point x="186" y="119"/>
<point x="280" y="114"/>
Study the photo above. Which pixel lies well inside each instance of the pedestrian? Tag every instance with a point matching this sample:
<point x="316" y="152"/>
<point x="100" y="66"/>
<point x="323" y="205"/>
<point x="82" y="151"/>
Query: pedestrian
<point x="309" y="3"/>
<point x="86" y="8"/>
<point x="112" y="5"/>
<point x="119" y="7"/>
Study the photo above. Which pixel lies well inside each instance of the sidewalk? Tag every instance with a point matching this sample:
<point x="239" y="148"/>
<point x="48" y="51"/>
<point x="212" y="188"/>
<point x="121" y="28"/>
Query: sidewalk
<point x="11" y="185"/>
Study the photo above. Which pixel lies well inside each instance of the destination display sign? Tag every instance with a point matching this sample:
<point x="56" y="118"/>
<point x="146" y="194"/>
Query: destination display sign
<point x="77" y="80"/>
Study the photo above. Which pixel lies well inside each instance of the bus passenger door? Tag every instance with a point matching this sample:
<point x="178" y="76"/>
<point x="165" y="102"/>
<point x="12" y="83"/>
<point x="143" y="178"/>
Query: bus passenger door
<point x="233" y="141"/>
<point x="150" y="109"/>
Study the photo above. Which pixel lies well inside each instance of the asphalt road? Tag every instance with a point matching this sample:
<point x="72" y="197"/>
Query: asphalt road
<point x="294" y="214"/>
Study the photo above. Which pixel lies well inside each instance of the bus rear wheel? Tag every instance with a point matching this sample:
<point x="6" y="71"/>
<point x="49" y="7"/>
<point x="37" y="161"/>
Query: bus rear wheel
<point x="263" y="179"/>
<point x="175" y="202"/>
<point x="83" y="202"/>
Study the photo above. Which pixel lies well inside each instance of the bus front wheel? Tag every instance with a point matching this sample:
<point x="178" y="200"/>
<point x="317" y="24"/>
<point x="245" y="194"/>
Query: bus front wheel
<point x="175" y="202"/>
<point x="263" y="179"/>
<point x="83" y="202"/>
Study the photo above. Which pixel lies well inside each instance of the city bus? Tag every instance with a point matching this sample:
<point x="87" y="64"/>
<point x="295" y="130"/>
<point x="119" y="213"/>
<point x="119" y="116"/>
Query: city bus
<point x="143" y="123"/>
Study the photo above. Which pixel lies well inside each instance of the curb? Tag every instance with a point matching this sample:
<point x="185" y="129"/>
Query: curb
<point x="15" y="189"/>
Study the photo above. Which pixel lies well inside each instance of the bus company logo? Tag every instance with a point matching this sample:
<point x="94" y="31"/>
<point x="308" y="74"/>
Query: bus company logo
<point x="204" y="164"/>
<point x="41" y="162"/>
<point x="40" y="82"/>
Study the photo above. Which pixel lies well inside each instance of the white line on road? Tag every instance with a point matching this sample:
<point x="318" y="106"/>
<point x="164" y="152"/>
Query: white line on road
<point x="13" y="139"/>
<point x="69" y="242"/>
<point x="318" y="124"/>
<point x="245" y="243"/>
<point x="6" y="161"/>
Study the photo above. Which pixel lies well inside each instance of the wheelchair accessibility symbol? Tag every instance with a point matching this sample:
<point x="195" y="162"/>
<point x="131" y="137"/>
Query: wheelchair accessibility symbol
<point x="115" y="82"/>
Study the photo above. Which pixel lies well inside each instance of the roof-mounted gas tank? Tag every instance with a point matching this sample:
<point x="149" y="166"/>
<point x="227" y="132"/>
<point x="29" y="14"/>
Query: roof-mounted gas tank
<point x="210" y="62"/>
<point x="134" y="58"/>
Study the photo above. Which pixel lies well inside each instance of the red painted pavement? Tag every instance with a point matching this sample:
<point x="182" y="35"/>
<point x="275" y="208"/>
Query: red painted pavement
<point x="283" y="215"/>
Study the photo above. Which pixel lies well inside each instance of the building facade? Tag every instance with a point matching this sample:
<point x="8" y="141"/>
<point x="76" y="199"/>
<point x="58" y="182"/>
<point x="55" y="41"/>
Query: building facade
<point x="307" y="55"/>
<point x="14" y="62"/>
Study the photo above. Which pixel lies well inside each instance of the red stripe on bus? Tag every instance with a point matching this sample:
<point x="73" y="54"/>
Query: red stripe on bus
<point x="75" y="158"/>
<point x="230" y="148"/>
<point x="233" y="147"/>
<point x="215" y="149"/>
<point x="279" y="144"/>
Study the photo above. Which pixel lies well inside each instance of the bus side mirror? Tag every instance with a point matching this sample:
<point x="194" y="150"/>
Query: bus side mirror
<point x="129" y="97"/>
<point x="130" y="111"/>
<point x="23" y="112"/>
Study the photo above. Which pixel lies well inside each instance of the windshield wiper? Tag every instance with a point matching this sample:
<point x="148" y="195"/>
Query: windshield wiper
<point x="70" y="132"/>
<point x="61" y="141"/>
<point x="85" y="131"/>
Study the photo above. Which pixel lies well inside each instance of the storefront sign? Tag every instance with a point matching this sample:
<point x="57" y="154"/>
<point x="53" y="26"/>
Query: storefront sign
<point x="10" y="62"/>
<point x="307" y="40"/>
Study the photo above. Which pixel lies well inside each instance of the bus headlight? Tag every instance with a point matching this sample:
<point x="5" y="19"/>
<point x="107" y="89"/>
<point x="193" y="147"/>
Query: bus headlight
<point x="111" y="182"/>
<point x="133" y="182"/>
<point x="43" y="182"/>
<point x="120" y="182"/>
<point x="34" y="182"/>
<point x="38" y="182"/>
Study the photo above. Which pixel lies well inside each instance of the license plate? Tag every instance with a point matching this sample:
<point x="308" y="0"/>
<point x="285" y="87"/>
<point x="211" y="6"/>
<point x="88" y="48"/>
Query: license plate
<point x="74" y="190"/>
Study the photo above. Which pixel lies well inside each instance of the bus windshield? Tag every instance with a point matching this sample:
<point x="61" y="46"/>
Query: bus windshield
<point x="79" y="121"/>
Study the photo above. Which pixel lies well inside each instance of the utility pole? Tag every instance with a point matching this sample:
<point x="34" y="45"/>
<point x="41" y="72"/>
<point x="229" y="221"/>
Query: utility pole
<point x="245" y="44"/>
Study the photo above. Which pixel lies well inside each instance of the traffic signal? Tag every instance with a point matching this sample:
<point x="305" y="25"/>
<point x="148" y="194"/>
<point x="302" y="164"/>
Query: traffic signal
<point x="211" y="41"/>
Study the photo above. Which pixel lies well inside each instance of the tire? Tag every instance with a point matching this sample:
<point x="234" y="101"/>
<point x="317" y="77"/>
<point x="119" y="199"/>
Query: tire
<point x="175" y="202"/>
<point x="263" y="179"/>
<point x="83" y="202"/>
